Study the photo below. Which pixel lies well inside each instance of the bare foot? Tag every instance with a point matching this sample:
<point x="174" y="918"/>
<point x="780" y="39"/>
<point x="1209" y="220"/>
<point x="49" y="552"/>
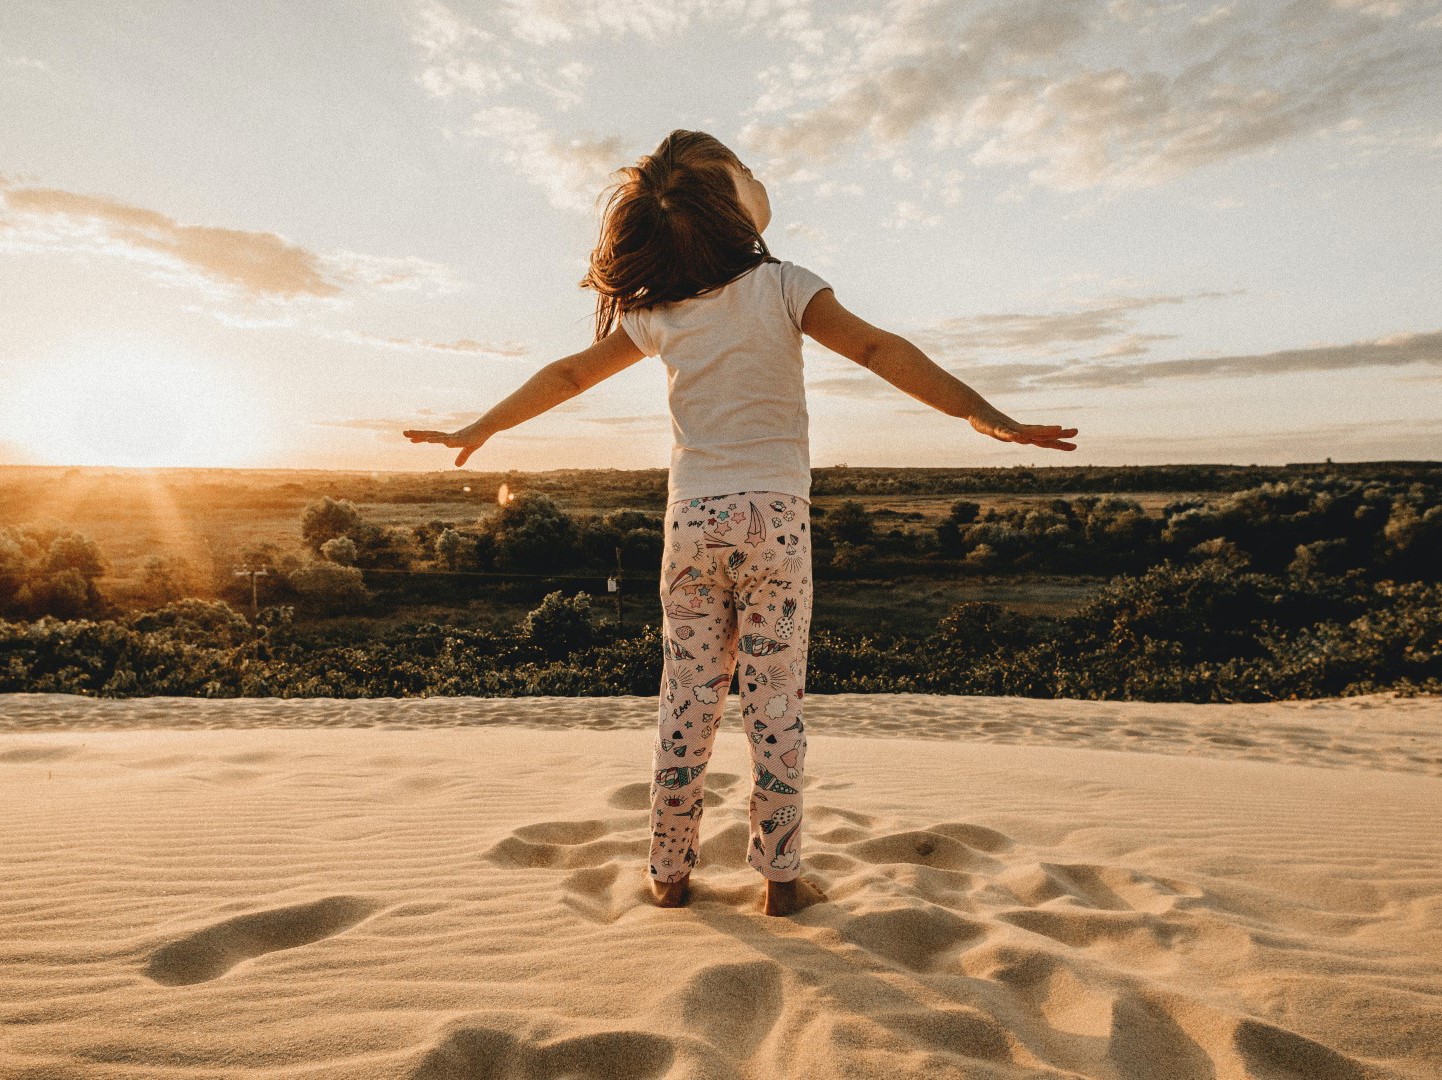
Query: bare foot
<point x="670" y="893"/>
<point x="789" y="897"/>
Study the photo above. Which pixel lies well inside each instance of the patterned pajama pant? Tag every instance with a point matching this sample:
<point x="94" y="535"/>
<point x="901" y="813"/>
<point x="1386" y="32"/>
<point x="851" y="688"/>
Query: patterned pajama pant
<point x="736" y="598"/>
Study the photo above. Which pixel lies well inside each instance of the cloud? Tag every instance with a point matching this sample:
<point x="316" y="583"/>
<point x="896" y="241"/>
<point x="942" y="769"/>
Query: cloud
<point x="423" y="419"/>
<point x="234" y="263"/>
<point x="1390" y="351"/>
<point x="1394" y="350"/>
<point x="1122" y="96"/>
<point x="1365" y="440"/>
<point x="859" y="387"/>
<point x="459" y="56"/>
<point x="509" y="350"/>
<point x="432" y="420"/>
<point x="487" y="52"/>
<point x="571" y="171"/>
<point x="253" y="262"/>
<point x="986" y="378"/>
<point x="647" y="420"/>
<point x="1053" y="333"/>
<point x="909" y="64"/>
<point x="906" y="214"/>
<point x="405" y="273"/>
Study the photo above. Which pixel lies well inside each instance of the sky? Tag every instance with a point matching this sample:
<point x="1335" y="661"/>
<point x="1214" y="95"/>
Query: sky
<point x="275" y="235"/>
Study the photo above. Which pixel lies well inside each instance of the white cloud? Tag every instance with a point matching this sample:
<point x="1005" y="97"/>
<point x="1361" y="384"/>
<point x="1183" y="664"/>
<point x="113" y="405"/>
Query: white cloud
<point x="1054" y="333"/>
<point x="231" y="263"/>
<point x="906" y="213"/>
<point x="490" y="54"/>
<point x="572" y="172"/>
<point x="1080" y="97"/>
<point x="500" y="350"/>
<point x="408" y="273"/>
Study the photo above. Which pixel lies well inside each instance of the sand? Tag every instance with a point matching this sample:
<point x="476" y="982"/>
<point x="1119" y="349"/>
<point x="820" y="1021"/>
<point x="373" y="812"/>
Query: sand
<point x="436" y="888"/>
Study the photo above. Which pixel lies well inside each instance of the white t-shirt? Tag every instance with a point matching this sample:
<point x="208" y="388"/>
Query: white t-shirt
<point x="734" y="385"/>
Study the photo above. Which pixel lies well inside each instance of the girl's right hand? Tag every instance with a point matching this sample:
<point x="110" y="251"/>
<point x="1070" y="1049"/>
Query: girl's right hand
<point x="998" y="425"/>
<point x="469" y="439"/>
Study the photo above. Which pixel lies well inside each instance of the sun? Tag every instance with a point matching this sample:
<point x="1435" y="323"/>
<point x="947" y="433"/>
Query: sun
<point x="134" y="406"/>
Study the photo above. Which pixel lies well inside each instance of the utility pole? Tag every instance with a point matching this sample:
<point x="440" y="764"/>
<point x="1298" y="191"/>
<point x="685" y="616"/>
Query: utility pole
<point x="614" y="585"/>
<point x="252" y="573"/>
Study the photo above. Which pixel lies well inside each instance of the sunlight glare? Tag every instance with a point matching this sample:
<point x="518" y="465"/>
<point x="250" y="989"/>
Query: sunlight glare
<point x="133" y="407"/>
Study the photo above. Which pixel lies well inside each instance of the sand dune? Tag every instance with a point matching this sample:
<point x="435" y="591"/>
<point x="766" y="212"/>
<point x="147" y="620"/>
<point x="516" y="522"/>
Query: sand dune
<point x="453" y="888"/>
<point x="1374" y="731"/>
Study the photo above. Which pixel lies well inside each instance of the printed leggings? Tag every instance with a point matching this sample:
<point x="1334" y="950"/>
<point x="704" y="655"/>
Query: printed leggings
<point x="736" y="578"/>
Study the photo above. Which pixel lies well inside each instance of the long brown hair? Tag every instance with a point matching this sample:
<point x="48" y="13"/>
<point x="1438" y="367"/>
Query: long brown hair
<point x="673" y="228"/>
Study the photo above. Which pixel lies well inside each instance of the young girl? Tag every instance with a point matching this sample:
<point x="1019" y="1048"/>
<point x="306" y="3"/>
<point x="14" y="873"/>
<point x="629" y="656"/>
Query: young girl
<point x="681" y="273"/>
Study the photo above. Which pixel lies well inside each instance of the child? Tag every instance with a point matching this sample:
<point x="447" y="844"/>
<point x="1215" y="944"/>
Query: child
<point x="682" y="268"/>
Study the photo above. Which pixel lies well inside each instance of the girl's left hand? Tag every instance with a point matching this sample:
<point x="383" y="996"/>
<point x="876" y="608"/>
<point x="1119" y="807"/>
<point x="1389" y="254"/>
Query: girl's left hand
<point x="469" y="438"/>
<point x="993" y="422"/>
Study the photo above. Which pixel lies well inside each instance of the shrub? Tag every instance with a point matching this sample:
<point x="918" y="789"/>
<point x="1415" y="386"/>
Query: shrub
<point x="981" y="626"/>
<point x="453" y="550"/>
<point x="1224" y="551"/>
<point x="1322" y="557"/>
<point x="964" y="512"/>
<point x="330" y="589"/>
<point x="199" y="622"/>
<point x="164" y="578"/>
<point x="328" y="519"/>
<point x="340" y="550"/>
<point x="47" y="572"/>
<point x="849" y="523"/>
<point x="981" y="557"/>
<point x="532" y="533"/>
<point x="852" y="558"/>
<point x="560" y="625"/>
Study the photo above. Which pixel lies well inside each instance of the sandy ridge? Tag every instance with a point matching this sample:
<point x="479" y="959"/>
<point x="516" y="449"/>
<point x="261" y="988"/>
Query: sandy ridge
<point x="1371" y="731"/>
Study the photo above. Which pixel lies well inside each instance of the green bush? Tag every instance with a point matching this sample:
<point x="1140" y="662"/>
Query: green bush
<point x="328" y="519"/>
<point x="46" y="571"/>
<point x="329" y="589"/>
<point x="561" y="625"/>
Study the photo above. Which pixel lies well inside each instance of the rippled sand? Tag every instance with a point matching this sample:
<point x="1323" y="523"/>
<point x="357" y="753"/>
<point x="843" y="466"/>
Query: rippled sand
<point x="454" y="888"/>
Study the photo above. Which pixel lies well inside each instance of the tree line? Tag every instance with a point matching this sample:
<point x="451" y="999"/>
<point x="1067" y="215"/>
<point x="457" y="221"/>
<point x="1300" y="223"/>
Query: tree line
<point x="1314" y="586"/>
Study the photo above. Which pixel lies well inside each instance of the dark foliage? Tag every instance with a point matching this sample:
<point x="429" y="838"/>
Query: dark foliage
<point x="1203" y="633"/>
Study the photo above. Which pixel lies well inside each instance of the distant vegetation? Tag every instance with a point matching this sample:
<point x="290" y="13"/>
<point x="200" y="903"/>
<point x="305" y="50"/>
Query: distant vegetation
<point x="1318" y="583"/>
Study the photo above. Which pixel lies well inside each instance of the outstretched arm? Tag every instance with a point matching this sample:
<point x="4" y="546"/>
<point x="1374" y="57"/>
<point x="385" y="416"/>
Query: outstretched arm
<point x="558" y="381"/>
<point x="907" y="368"/>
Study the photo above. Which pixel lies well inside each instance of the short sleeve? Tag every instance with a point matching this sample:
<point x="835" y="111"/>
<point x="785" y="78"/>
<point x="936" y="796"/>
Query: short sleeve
<point x="634" y="323"/>
<point x="798" y="286"/>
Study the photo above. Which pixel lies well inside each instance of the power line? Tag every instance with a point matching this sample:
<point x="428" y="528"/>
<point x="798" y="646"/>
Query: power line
<point x="481" y="573"/>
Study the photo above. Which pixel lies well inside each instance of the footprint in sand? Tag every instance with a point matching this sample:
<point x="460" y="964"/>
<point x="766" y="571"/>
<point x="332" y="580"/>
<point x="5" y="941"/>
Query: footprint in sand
<point x="1146" y="1037"/>
<point x="210" y="953"/>
<point x="562" y="832"/>
<point x="731" y="1006"/>
<point x="252" y="757"/>
<point x="638" y="796"/>
<point x="913" y="937"/>
<point x="483" y="1053"/>
<point x="1081" y="928"/>
<point x="631" y="797"/>
<point x="567" y="845"/>
<point x="921" y="848"/>
<point x="1268" y="1050"/>
<point x="959" y="1030"/>
<point x="1109" y="888"/>
<point x="24" y="755"/>
<point x="603" y="893"/>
